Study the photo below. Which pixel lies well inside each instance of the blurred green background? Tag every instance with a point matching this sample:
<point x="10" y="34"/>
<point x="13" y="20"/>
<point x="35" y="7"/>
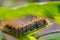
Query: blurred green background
<point x="15" y="3"/>
<point x="11" y="3"/>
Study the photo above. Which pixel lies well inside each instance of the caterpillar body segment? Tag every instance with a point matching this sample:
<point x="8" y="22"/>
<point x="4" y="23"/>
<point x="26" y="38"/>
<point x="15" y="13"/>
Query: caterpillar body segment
<point x="21" y="26"/>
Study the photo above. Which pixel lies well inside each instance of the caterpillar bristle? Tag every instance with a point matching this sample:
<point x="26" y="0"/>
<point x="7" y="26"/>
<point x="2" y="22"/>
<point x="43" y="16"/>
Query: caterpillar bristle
<point x="25" y="24"/>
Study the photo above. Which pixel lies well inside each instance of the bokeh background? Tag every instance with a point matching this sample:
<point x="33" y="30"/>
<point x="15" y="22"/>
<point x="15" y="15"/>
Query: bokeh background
<point x="14" y="3"/>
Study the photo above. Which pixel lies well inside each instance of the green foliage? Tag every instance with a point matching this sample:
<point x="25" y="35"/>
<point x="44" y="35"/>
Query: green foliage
<point x="2" y="37"/>
<point x="49" y="10"/>
<point x="32" y="9"/>
<point x="57" y="19"/>
<point x="53" y="36"/>
<point x="52" y="10"/>
<point x="2" y="11"/>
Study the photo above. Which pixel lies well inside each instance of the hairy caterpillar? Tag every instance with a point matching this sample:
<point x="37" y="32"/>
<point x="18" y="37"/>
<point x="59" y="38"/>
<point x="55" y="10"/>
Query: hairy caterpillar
<point x="25" y="24"/>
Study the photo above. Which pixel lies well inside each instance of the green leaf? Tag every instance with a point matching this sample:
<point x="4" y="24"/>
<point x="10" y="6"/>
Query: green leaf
<point x="57" y="19"/>
<point x="2" y="37"/>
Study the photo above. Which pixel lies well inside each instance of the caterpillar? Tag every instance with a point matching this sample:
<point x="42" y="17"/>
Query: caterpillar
<point x="25" y="24"/>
